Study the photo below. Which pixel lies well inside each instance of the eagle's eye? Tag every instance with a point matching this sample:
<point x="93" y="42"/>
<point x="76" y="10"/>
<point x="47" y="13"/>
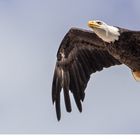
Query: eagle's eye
<point x="98" y="22"/>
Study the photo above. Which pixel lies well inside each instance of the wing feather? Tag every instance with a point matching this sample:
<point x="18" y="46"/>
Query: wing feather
<point x="80" y="54"/>
<point x="66" y="91"/>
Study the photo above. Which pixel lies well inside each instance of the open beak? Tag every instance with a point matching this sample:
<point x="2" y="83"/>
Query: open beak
<point x="93" y="24"/>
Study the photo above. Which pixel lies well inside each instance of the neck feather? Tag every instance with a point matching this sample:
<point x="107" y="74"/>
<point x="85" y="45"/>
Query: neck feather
<point x="108" y="34"/>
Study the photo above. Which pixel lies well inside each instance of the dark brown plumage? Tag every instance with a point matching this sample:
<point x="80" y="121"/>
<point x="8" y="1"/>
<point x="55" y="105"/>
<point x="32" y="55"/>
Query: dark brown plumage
<point x="127" y="49"/>
<point x="82" y="53"/>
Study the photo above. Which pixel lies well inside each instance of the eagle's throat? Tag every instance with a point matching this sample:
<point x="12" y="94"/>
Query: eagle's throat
<point x="108" y="34"/>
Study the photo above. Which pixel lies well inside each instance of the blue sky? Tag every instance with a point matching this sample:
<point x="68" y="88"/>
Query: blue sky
<point x="30" y="34"/>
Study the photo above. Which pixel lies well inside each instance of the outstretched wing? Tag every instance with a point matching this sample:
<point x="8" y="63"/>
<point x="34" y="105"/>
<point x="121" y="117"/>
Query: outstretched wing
<point x="81" y="53"/>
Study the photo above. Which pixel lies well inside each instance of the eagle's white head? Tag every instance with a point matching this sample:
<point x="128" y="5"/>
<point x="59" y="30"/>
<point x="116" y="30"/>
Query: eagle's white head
<point x="106" y="32"/>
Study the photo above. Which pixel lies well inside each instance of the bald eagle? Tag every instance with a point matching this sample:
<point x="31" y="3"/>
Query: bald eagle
<point x="84" y="52"/>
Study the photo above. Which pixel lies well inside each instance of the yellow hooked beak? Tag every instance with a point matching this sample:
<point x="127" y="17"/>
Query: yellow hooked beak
<point x="93" y="24"/>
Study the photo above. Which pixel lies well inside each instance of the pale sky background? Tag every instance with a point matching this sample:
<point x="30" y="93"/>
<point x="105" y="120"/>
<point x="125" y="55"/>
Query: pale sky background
<point x="30" y="34"/>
